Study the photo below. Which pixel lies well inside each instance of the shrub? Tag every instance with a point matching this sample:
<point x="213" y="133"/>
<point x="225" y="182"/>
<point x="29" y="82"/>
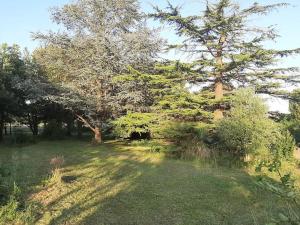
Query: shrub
<point x="247" y="129"/>
<point x="135" y="125"/>
<point x="193" y="148"/>
<point x="16" y="212"/>
<point x="283" y="145"/>
<point x="157" y="148"/>
<point x="57" y="162"/>
<point x="177" y="131"/>
<point x="20" y="137"/>
<point x="56" y="174"/>
<point x="54" y="130"/>
<point x="292" y="121"/>
<point x="8" y="188"/>
<point x="280" y="151"/>
<point x="13" y="209"/>
<point x="293" y="126"/>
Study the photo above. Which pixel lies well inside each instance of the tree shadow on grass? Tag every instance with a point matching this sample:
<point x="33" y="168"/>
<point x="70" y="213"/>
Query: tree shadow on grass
<point x="118" y="186"/>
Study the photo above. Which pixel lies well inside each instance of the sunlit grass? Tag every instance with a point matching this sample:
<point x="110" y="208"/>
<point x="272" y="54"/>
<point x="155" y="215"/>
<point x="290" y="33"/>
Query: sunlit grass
<point x="117" y="183"/>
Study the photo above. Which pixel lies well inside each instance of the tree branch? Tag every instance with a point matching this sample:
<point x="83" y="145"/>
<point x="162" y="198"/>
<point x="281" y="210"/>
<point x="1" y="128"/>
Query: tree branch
<point x="80" y="118"/>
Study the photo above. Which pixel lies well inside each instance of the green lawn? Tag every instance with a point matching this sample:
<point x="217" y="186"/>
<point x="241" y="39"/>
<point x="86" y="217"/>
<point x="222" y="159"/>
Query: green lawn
<point x="121" y="184"/>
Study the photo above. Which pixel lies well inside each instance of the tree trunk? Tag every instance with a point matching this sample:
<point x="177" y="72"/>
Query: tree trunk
<point x="1" y="126"/>
<point x="35" y="129"/>
<point x="10" y="131"/>
<point x="33" y="124"/>
<point x="218" y="114"/>
<point x="5" y="129"/>
<point x="97" y="129"/>
<point x="98" y="135"/>
<point x="70" y="124"/>
<point x="79" y="129"/>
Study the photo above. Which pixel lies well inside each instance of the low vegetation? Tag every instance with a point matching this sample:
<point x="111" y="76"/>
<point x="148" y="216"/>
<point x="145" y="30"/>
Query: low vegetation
<point x="123" y="183"/>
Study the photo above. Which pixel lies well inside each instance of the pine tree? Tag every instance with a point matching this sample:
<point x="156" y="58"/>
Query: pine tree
<point x="153" y="100"/>
<point x="228" y="51"/>
<point x="164" y="90"/>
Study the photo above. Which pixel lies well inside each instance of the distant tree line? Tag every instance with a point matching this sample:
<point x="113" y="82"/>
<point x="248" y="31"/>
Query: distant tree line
<point x="103" y="70"/>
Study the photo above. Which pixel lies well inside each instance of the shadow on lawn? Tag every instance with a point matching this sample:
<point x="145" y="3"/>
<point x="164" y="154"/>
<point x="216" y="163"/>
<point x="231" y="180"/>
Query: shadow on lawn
<point x="122" y="187"/>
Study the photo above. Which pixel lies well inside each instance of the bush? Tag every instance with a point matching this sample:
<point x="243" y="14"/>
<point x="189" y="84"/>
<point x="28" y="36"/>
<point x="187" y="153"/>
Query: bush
<point x="292" y="121"/>
<point x="284" y="145"/>
<point x="4" y="192"/>
<point x="8" y="188"/>
<point x="13" y="209"/>
<point x="193" y="148"/>
<point x="56" y="173"/>
<point x="54" y="130"/>
<point x="294" y="128"/>
<point x="15" y="212"/>
<point x="247" y="129"/>
<point x="157" y="147"/>
<point x="20" y="137"/>
<point x="135" y="125"/>
<point x="280" y="150"/>
<point x="177" y="131"/>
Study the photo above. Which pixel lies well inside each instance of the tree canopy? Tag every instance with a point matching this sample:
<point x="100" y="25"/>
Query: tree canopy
<point x="227" y="50"/>
<point x="101" y="39"/>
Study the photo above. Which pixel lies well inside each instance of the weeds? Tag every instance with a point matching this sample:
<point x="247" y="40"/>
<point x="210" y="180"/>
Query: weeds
<point x="56" y="174"/>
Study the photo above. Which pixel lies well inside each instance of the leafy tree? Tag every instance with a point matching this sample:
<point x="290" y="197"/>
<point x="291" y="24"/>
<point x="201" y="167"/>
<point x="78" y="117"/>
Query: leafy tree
<point x="101" y="39"/>
<point x="295" y="105"/>
<point x="247" y="129"/>
<point x="226" y="48"/>
<point x="30" y="91"/>
<point x="10" y="66"/>
<point x="292" y="121"/>
<point x="7" y="100"/>
<point x="24" y="90"/>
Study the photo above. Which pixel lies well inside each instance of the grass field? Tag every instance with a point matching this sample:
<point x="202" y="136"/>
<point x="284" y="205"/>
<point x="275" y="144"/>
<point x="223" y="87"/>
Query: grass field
<point x="122" y="184"/>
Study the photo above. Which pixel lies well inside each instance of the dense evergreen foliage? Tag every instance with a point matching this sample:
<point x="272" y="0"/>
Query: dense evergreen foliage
<point x="227" y="50"/>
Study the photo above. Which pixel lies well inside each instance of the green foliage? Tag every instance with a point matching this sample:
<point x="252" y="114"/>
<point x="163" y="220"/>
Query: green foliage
<point x="20" y="137"/>
<point x="193" y="147"/>
<point x="225" y="54"/>
<point x="247" y="129"/>
<point x="85" y="60"/>
<point x="153" y="146"/>
<point x="54" y="130"/>
<point x="13" y="209"/>
<point x="177" y="131"/>
<point x="284" y="145"/>
<point x="163" y="90"/>
<point x="290" y="214"/>
<point x="292" y="122"/>
<point x="4" y="188"/>
<point x="294" y="105"/>
<point x="293" y="126"/>
<point x="156" y="148"/>
<point x="280" y="151"/>
<point x="15" y="212"/>
<point x="135" y="123"/>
